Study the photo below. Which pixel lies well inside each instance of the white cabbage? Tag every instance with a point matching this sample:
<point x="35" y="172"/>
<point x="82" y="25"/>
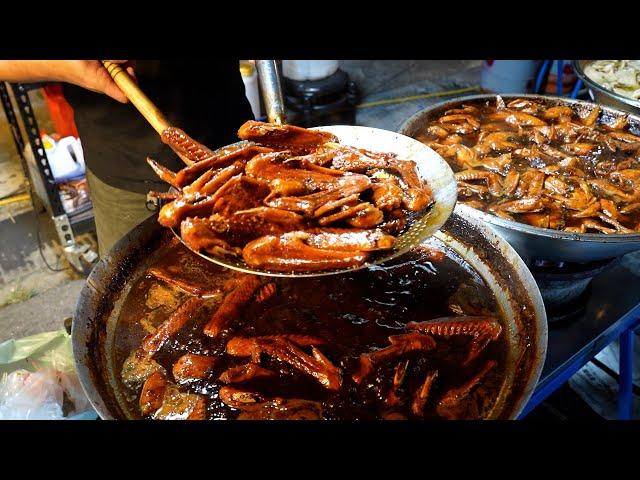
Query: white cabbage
<point x="620" y="76"/>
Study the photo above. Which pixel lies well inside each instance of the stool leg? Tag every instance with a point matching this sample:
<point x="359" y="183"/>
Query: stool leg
<point x="625" y="393"/>
<point x="560" y="66"/>
<point x="576" y="89"/>
<point x="541" y="75"/>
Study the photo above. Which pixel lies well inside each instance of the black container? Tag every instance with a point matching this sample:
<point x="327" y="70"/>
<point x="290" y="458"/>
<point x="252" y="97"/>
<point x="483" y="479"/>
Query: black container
<point x="565" y="287"/>
<point x="327" y="101"/>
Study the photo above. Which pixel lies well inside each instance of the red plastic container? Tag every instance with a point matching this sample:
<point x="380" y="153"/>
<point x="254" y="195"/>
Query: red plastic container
<point x="60" y="111"/>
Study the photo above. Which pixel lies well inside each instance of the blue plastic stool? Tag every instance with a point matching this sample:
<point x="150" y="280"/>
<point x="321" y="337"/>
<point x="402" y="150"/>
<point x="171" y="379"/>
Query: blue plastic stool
<point x="544" y="72"/>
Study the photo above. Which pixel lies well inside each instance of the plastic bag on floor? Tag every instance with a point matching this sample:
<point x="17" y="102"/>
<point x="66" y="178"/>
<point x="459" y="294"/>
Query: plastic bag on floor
<point x="38" y="378"/>
<point x="28" y="395"/>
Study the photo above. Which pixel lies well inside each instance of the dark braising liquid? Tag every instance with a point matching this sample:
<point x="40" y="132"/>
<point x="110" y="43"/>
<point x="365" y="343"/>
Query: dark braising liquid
<point x="597" y="163"/>
<point x="354" y="313"/>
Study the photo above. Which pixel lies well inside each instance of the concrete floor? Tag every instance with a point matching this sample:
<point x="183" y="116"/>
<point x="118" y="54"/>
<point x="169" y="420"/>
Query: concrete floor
<point x="23" y="273"/>
<point x="386" y="80"/>
<point x="44" y="312"/>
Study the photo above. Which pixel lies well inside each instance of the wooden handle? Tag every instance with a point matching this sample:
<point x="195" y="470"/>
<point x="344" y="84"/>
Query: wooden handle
<point x="153" y="115"/>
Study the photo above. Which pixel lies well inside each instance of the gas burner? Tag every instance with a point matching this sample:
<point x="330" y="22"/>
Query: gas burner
<point x="327" y="101"/>
<point x="569" y="268"/>
<point x="569" y="310"/>
<point x="565" y="286"/>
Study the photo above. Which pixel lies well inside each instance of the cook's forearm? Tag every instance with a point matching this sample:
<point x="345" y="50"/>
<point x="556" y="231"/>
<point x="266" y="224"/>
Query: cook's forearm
<point x="31" y="70"/>
<point x="89" y="74"/>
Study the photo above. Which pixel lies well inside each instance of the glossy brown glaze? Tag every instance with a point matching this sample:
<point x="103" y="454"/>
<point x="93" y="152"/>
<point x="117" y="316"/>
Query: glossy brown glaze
<point x="550" y="166"/>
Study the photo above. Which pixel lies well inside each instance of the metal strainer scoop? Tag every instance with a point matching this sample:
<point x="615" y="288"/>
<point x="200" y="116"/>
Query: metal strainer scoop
<point x="432" y="168"/>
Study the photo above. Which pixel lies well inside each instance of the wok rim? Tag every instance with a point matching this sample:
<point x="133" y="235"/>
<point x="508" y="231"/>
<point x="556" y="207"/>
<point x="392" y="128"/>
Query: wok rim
<point x="526" y="279"/>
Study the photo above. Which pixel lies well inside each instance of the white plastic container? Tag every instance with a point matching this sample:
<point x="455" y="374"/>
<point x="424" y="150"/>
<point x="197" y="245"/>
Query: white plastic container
<point x="309" y="69"/>
<point x="509" y="76"/>
<point x="251" y="88"/>
<point x="66" y="159"/>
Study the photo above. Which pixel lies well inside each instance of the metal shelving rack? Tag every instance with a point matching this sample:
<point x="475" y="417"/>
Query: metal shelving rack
<point x="67" y="225"/>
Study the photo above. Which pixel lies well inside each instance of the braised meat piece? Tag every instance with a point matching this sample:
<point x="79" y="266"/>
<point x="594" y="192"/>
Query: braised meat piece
<point x="292" y="252"/>
<point x="482" y="329"/>
<point x="421" y="395"/>
<point x="244" y="373"/>
<point x="232" y="305"/>
<point x="192" y="367"/>
<point x="191" y="288"/>
<point x="400" y="344"/>
<point x="284" y="350"/>
<point x="152" y="394"/>
<point x="172" y="325"/>
<point x="283" y="135"/>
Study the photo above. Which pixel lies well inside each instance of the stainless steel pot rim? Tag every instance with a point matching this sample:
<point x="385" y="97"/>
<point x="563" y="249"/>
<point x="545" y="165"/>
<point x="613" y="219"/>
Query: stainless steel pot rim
<point x="577" y="67"/>
<point x="523" y="227"/>
<point x="548" y="232"/>
<point x="532" y="96"/>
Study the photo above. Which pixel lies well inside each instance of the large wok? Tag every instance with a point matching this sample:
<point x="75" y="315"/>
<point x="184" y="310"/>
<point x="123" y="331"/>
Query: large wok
<point x="504" y="272"/>
<point x="534" y="242"/>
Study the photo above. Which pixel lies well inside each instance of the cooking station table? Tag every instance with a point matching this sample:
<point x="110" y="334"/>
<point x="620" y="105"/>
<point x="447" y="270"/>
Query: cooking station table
<point x="612" y="311"/>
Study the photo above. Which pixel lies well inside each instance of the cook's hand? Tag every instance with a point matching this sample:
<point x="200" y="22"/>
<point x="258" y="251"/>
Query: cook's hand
<point x="89" y="74"/>
<point x="92" y="75"/>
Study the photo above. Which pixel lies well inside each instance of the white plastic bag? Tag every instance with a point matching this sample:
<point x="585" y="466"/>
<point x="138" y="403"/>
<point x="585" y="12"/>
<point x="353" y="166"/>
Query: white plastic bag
<point x="28" y="395"/>
<point x="38" y="378"/>
<point x="70" y="383"/>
